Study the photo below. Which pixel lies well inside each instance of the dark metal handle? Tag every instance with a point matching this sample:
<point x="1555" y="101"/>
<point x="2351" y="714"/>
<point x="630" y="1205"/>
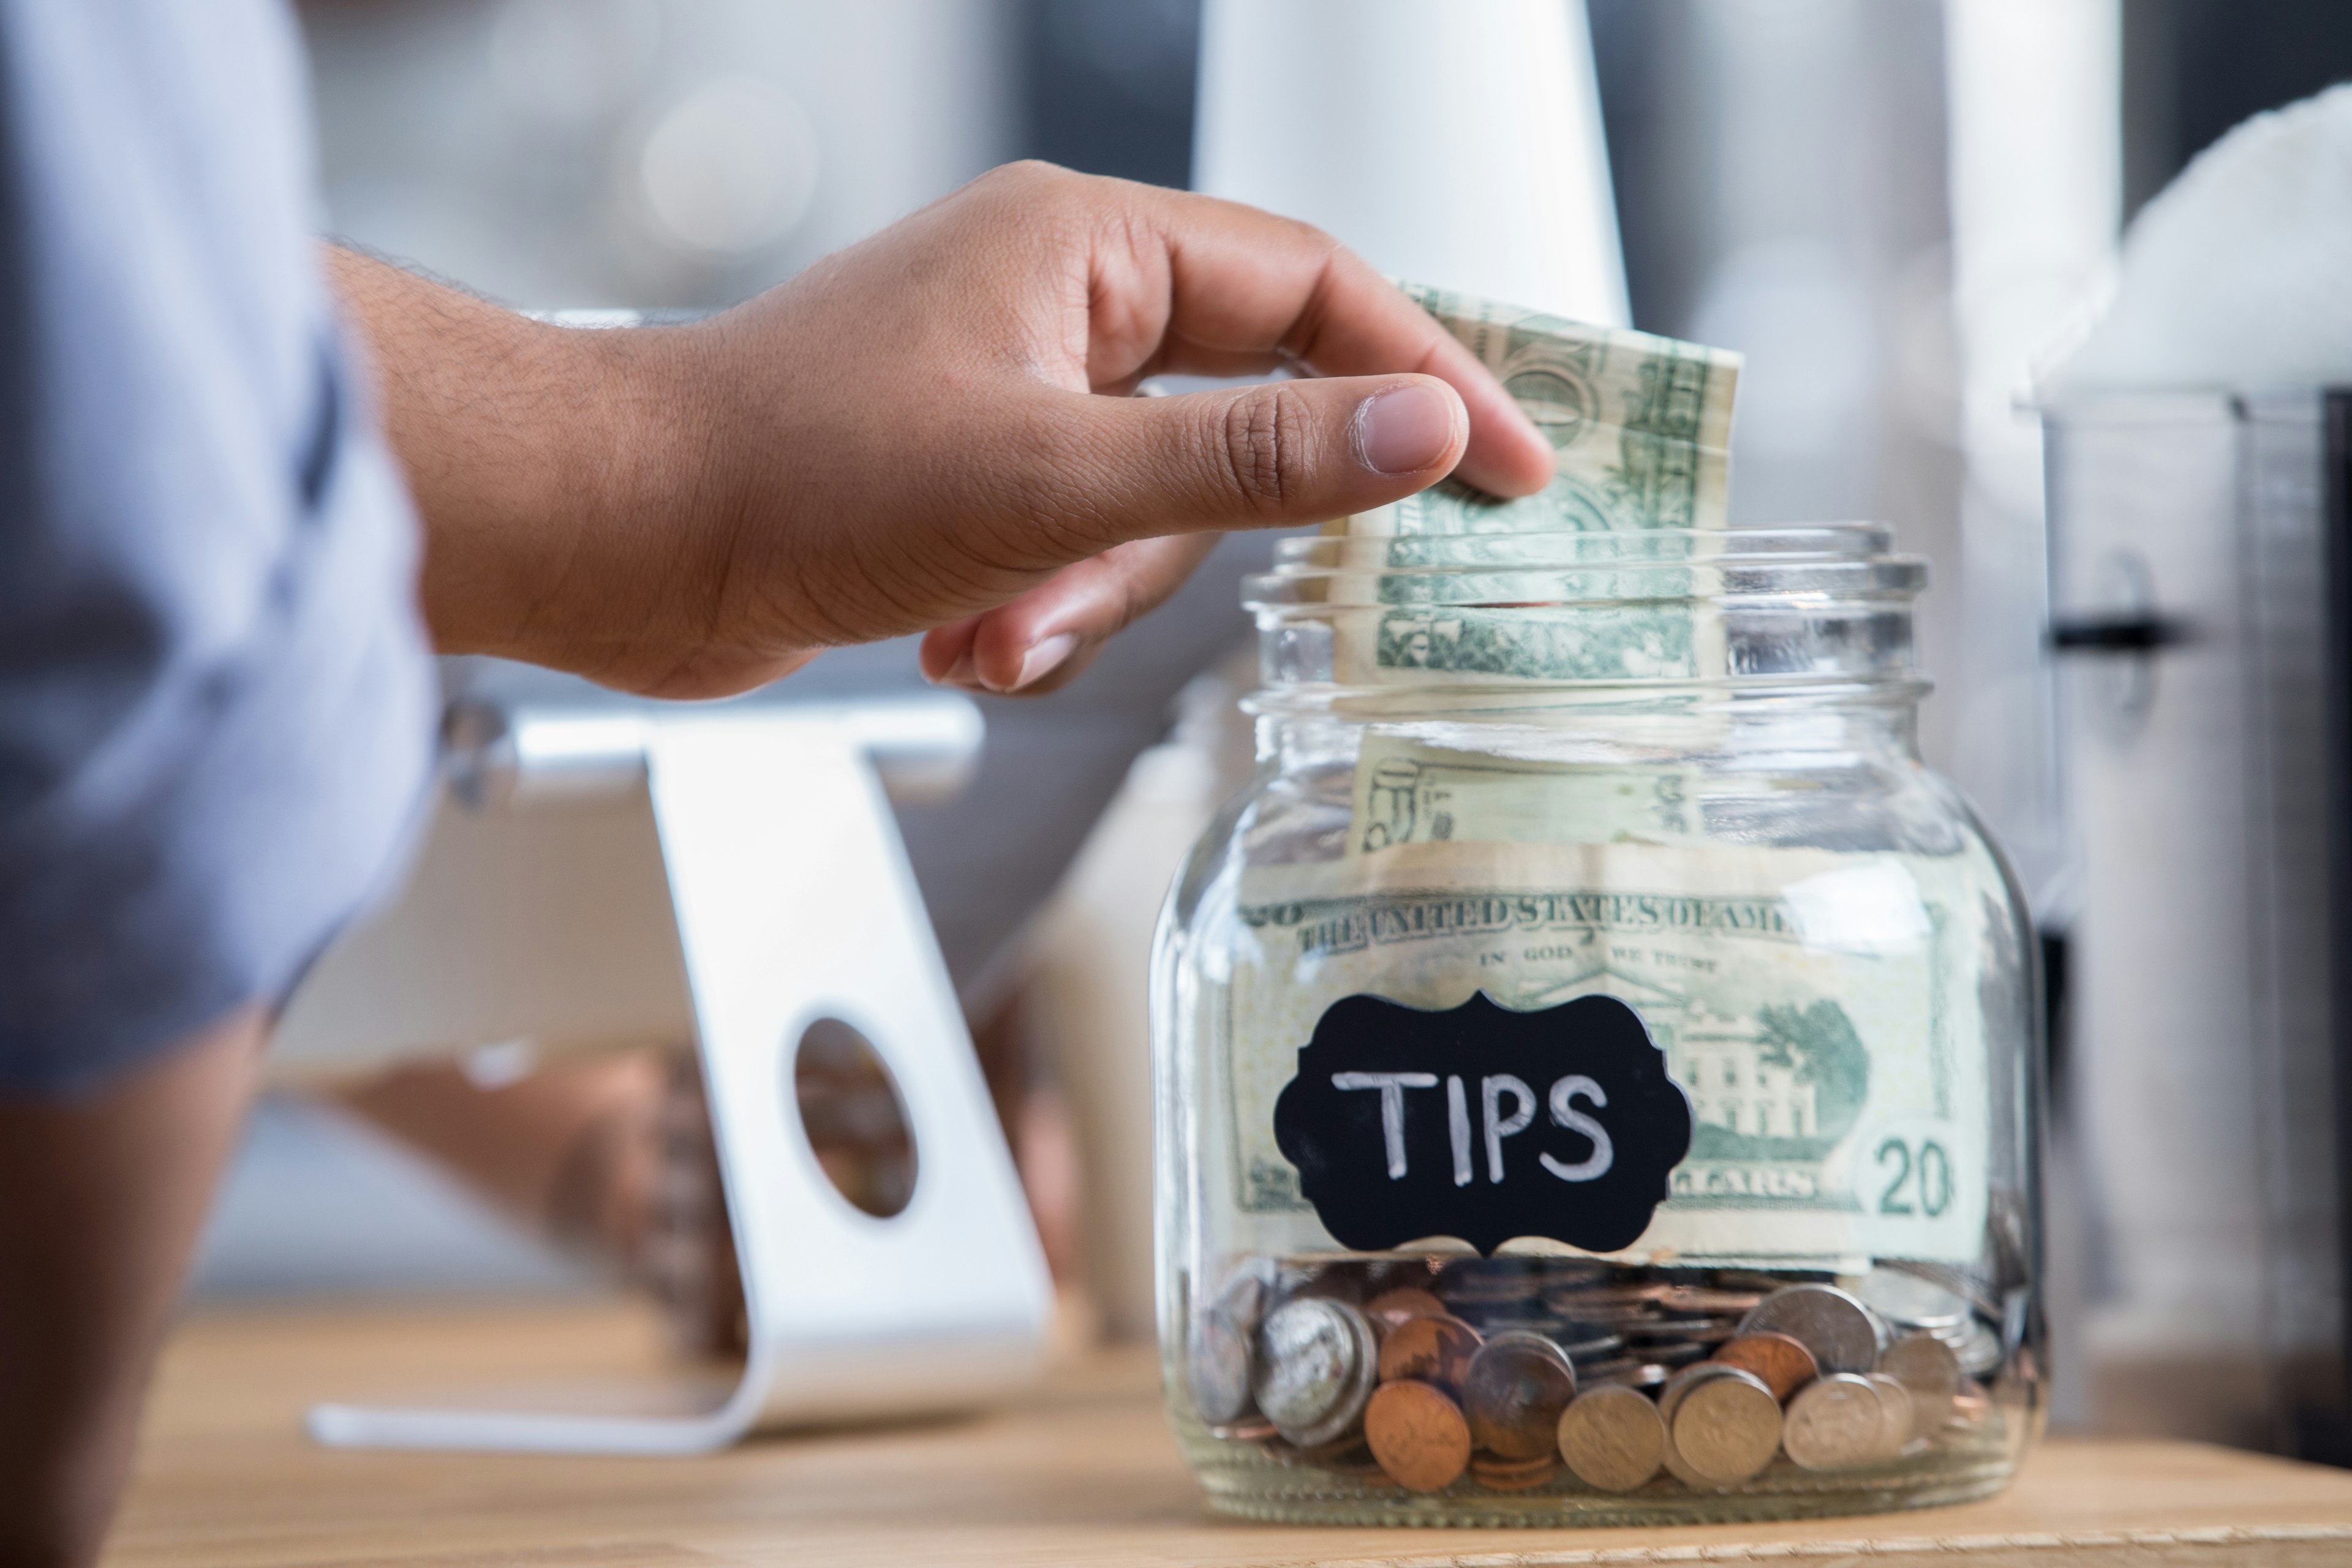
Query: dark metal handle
<point x="2118" y="634"/>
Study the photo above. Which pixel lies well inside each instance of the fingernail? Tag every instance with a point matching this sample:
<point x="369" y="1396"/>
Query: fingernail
<point x="1043" y="659"/>
<point x="961" y="673"/>
<point x="1404" y="429"/>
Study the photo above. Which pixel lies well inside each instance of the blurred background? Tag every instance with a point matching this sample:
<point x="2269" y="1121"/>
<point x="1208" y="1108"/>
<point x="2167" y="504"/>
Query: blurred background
<point x="1895" y="208"/>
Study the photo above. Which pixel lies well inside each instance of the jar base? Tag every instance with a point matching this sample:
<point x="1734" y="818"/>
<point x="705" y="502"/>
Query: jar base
<point x="1279" y="1494"/>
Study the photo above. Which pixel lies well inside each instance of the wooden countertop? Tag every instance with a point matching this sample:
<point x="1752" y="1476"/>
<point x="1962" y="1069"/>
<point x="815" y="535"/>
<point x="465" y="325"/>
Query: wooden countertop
<point x="1082" y="1473"/>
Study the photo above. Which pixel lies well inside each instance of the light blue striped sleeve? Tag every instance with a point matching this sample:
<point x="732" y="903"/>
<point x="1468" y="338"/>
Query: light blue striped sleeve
<point x="216" y="705"/>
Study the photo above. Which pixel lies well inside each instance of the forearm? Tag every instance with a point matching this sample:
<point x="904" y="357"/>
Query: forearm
<point x="101" y="1202"/>
<point x="560" y="474"/>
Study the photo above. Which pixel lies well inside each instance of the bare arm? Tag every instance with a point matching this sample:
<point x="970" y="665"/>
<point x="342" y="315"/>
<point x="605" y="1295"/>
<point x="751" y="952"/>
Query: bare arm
<point x="904" y="437"/>
<point x="100" y="1201"/>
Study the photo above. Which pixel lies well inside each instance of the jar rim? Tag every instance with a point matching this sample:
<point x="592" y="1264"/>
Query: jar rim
<point x="1804" y="607"/>
<point x="1857" y="541"/>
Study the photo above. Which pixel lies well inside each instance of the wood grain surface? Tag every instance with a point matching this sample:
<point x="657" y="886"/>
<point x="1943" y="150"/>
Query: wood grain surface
<point x="1082" y="1473"/>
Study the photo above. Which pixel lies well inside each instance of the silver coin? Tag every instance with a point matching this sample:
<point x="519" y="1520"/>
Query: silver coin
<point x="1218" y="1350"/>
<point x="1979" y="1350"/>
<point x="1843" y="1334"/>
<point x="1926" y="1368"/>
<point x="1678" y="1388"/>
<point x="1907" y="1301"/>
<point x="1834" y="1422"/>
<point x="1316" y="1366"/>
<point x="1217" y="1368"/>
<point x="1727" y="1428"/>
<point x="1897" y="1414"/>
<point x="1613" y="1438"/>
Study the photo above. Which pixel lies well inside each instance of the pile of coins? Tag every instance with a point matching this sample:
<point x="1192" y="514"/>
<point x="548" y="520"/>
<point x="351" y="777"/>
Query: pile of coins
<point x="1511" y="1371"/>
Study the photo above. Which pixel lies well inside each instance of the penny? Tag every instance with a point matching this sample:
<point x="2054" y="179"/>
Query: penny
<point x="1897" y="1414"/>
<point x="1841" y="1332"/>
<point x="1390" y="1307"/>
<point x="1727" y="1428"/>
<point x="1784" y="1363"/>
<point x="1513" y="1474"/>
<point x="1316" y="1365"/>
<point x="1573" y="1300"/>
<point x="1930" y="1372"/>
<point x="1431" y="1350"/>
<point x="1257" y="1429"/>
<point x="1490" y="1281"/>
<point x="1345" y="1454"/>
<point x="1694" y="1329"/>
<point x="1763" y="1284"/>
<point x="1333" y="1281"/>
<point x="1698" y="1298"/>
<point x="1612" y="1438"/>
<point x="1418" y="1435"/>
<point x="1833" y="1423"/>
<point x="1513" y="1393"/>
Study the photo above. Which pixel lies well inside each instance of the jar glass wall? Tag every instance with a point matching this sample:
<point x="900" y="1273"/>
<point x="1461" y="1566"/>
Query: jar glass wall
<point x="1595" y="1101"/>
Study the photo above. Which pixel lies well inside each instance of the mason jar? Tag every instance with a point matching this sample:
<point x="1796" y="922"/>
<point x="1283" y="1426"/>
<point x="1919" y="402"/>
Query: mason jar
<point x="1596" y="1060"/>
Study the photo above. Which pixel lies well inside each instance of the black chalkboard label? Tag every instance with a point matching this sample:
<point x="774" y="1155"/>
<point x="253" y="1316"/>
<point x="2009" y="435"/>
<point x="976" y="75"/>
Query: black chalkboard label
<point x="1483" y="1124"/>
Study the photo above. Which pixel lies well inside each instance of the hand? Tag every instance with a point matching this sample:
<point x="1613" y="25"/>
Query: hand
<point x="912" y="436"/>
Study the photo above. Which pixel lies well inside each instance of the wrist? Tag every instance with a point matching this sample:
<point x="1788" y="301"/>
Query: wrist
<point x="573" y="531"/>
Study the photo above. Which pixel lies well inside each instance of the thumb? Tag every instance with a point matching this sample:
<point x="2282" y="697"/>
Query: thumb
<point x="1273" y="455"/>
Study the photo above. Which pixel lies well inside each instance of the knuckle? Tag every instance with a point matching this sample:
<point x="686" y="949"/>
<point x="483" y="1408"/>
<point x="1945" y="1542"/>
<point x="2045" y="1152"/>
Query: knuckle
<point x="1264" y="444"/>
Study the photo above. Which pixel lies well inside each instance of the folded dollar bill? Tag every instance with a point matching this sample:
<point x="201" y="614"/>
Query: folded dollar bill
<point x="1640" y="428"/>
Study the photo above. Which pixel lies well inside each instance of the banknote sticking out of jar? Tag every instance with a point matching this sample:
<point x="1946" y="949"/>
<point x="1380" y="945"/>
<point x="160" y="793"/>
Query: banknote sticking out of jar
<point x="1596" y="1057"/>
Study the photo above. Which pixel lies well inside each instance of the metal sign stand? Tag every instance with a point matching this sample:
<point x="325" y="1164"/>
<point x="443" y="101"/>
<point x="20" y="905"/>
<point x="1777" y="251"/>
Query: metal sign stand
<point x="793" y="902"/>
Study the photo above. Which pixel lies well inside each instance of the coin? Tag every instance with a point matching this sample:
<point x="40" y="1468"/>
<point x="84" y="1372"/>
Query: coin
<point x="1632" y="1372"/>
<point x="1613" y="1438"/>
<point x="1833" y="1423"/>
<point x="1513" y="1474"/>
<point x="1699" y="1299"/>
<point x="1926" y="1368"/>
<point x="1584" y="1342"/>
<point x="1897" y="1414"/>
<point x="1696" y="1329"/>
<point x="1418" y="1435"/>
<point x="1298" y="1280"/>
<point x="1669" y="1399"/>
<point x="1432" y="1350"/>
<point x="1314" y="1371"/>
<point x="1979" y="1350"/>
<point x="1255" y="1429"/>
<point x="1908" y="1301"/>
<point x="1390" y="1307"/>
<point x="1784" y="1363"/>
<point x="1727" y="1428"/>
<point x="1573" y="1300"/>
<point x="1513" y="1391"/>
<point x="1840" y="1331"/>
<point x="1489" y="1282"/>
<point x="1217" y="1367"/>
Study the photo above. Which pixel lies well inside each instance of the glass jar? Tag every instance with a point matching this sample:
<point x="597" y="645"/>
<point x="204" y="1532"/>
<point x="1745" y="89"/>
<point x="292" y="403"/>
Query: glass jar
<point x="1596" y="1060"/>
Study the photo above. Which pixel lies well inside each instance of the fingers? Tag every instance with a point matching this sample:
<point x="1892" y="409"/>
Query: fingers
<point x="1242" y="285"/>
<point x="1111" y="471"/>
<point x="1040" y="641"/>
